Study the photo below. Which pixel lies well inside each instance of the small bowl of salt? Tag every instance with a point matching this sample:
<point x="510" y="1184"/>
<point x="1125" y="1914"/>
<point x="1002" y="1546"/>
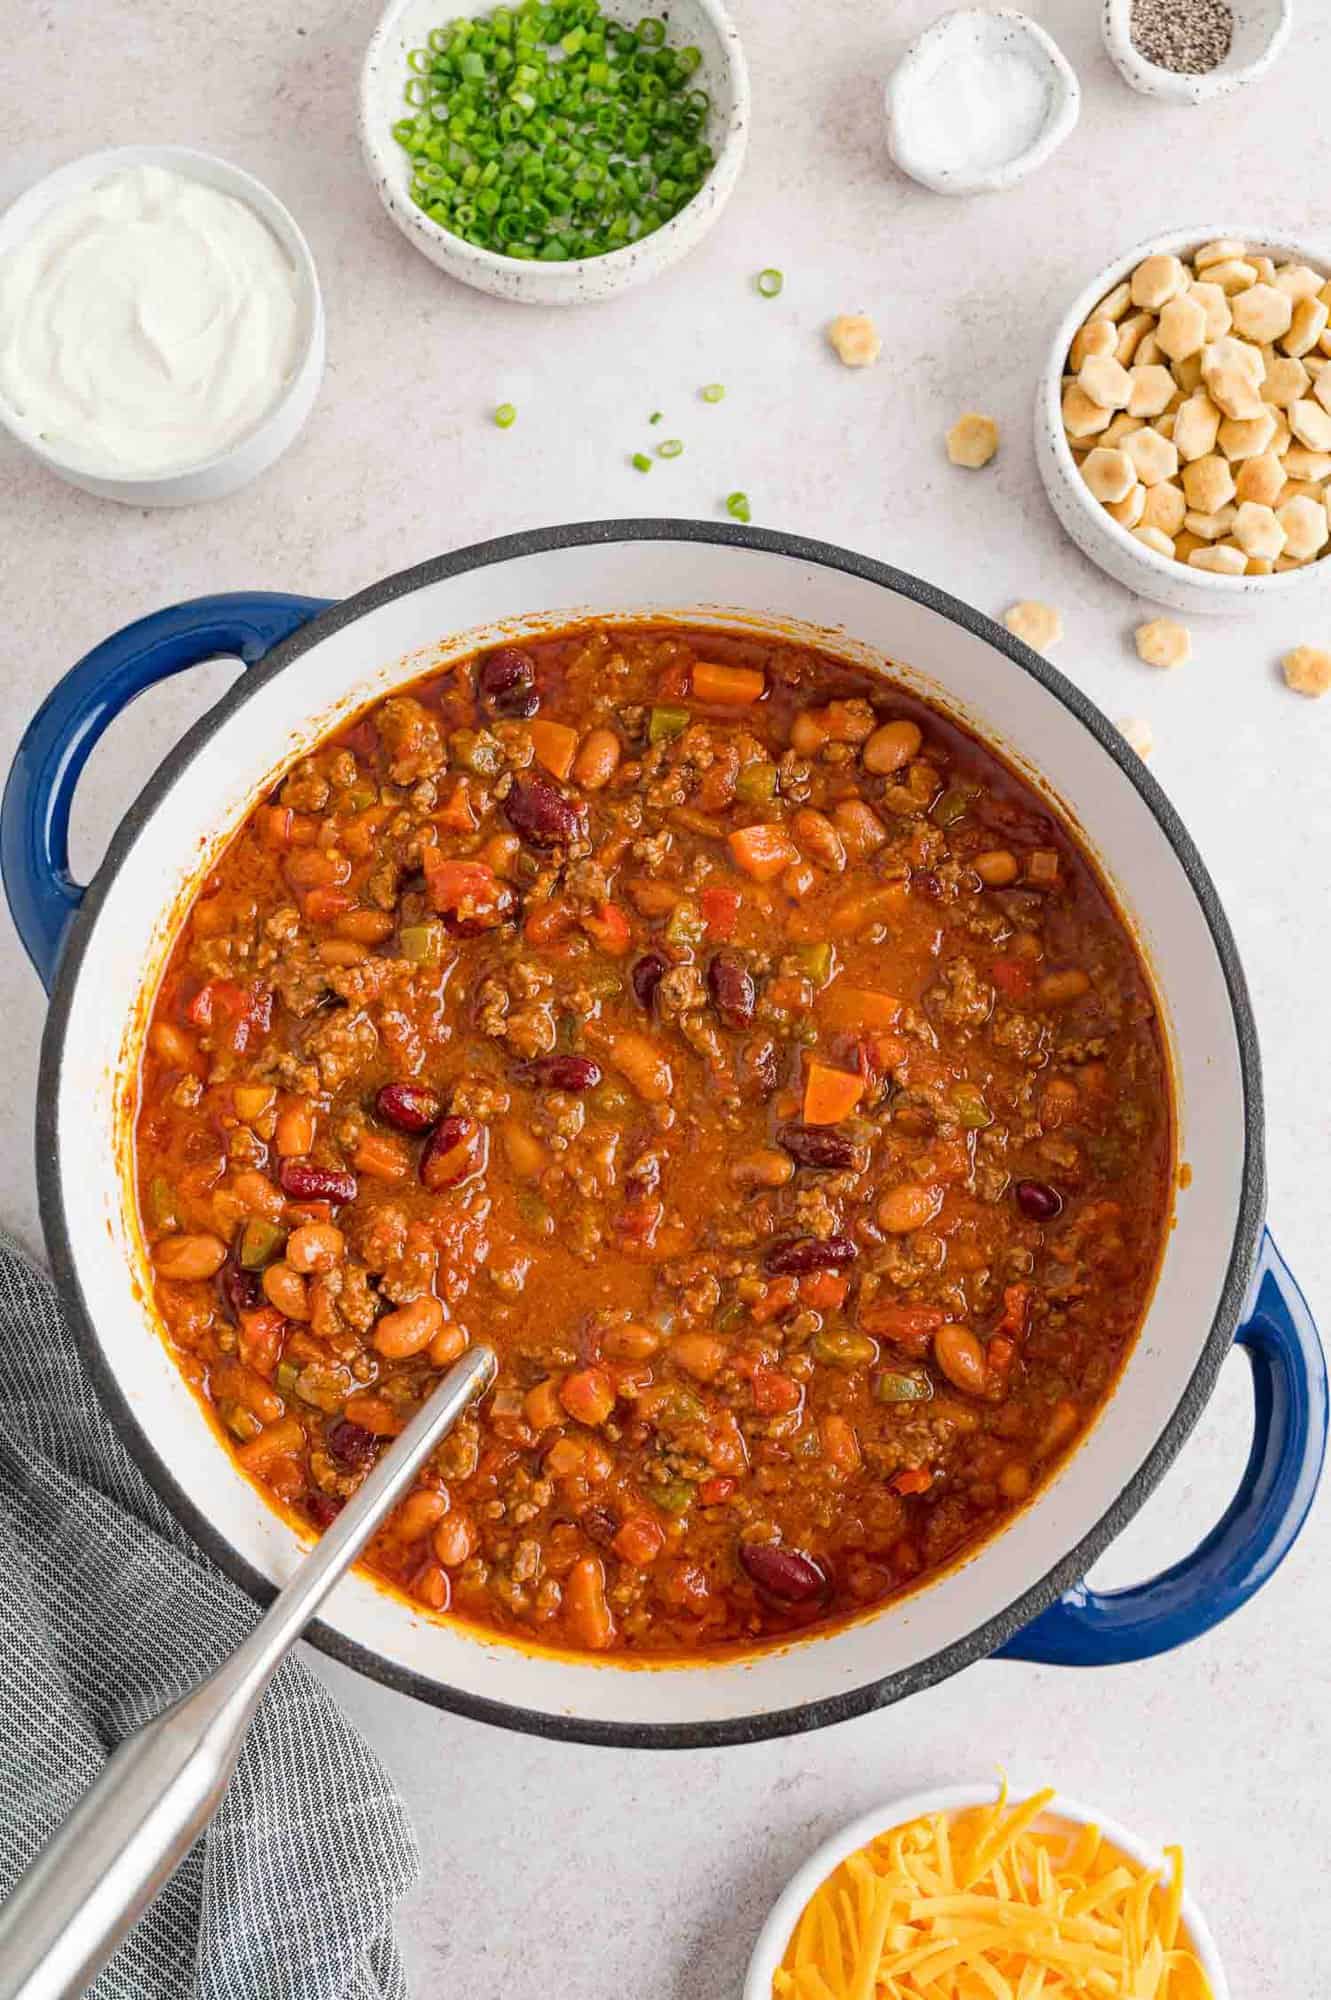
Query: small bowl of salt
<point x="978" y="101"/>
<point x="1188" y="51"/>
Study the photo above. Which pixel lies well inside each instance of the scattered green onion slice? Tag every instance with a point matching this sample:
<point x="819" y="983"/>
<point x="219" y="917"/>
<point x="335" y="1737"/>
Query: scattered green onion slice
<point x="655" y="417"/>
<point x="770" y="282"/>
<point x="505" y="414"/>
<point x="670" y="448"/>
<point x="641" y="461"/>
<point x="737" y="506"/>
<point x="714" y="392"/>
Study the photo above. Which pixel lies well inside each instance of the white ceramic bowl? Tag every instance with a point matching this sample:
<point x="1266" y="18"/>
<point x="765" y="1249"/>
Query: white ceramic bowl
<point x="775" y="1934"/>
<point x="1094" y="531"/>
<point x="226" y="471"/>
<point x="952" y="40"/>
<point x="1261" y="29"/>
<point x="405" y="24"/>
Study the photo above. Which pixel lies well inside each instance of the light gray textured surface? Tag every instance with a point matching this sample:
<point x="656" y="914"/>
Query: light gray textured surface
<point x="593" y="1873"/>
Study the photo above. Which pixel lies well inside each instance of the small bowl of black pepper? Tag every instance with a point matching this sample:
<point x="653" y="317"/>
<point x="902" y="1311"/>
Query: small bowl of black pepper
<point x="1188" y="51"/>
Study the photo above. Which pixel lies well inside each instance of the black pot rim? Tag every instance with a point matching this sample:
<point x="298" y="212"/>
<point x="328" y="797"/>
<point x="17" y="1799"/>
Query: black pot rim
<point x="1070" y="1568"/>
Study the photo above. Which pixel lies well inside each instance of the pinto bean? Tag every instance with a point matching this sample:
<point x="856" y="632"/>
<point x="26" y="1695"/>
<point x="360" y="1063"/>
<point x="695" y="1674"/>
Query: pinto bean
<point x="597" y="761"/>
<point x="782" y="1573"/>
<point x="286" y="1289"/>
<point x="187" y="1257"/>
<point x="890" y="748"/>
<point x="420" y="1511"/>
<point x="961" y="1358"/>
<point x="410" y="1329"/>
<point x="315" y="1246"/>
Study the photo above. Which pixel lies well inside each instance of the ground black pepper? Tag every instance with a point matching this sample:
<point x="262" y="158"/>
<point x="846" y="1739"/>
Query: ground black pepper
<point x="1187" y="36"/>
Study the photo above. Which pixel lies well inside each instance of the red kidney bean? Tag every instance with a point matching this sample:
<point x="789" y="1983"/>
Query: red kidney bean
<point x="797" y="1254"/>
<point x="816" y="1145"/>
<point x="561" y="1072"/>
<point x="242" y="1289"/>
<point x="303" y="1181"/>
<point x="499" y="910"/>
<point x="731" y="986"/>
<point x="452" y="1152"/>
<point x="759" y="1069"/>
<point x="599" y="1524"/>
<point x="352" y="1445"/>
<point x="506" y="682"/>
<point x="409" y="1106"/>
<point x="542" y="814"/>
<point x="1037" y="1201"/>
<point x="647" y="975"/>
<point x="322" y="1509"/>
<point x="783" y="1573"/>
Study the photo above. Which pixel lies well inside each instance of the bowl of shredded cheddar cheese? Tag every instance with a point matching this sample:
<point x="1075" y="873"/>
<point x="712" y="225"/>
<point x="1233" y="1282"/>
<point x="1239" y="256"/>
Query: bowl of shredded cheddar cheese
<point x="962" y="1894"/>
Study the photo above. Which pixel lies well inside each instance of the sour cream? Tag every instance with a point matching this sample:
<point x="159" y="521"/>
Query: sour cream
<point x="147" y="323"/>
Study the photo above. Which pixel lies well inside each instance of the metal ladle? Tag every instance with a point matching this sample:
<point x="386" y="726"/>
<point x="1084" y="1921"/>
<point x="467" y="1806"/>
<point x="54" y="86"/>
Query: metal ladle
<point x="128" y="1834"/>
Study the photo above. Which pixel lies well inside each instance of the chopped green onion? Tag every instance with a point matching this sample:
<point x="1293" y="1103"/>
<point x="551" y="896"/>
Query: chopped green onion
<point x="655" y="417"/>
<point x="713" y="392"/>
<point x="770" y="282"/>
<point x="641" y="461"/>
<point x="670" y="448"/>
<point x="737" y="506"/>
<point x="505" y="414"/>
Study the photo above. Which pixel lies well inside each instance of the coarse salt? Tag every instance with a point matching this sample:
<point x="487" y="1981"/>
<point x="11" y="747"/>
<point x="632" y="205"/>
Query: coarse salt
<point x="977" y="108"/>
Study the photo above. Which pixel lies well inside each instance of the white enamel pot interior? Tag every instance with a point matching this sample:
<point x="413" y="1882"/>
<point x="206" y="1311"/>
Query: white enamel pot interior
<point x="389" y="635"/>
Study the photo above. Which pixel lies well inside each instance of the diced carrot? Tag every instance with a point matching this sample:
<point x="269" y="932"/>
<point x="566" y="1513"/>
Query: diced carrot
<point x="584" y="1602"/>
<point x="762" y="851"/>
<point x="565" y="1458"/>
<point x="608" y="927"/>
<point x="799" y="880"/>
<point x="856" y="913"/>
<point x="451" y="884"/>
<point x="1011" y="977"/>
<point x="857" y="1007"/>
<point x="780" y="1296"/>
<point x="555" y="744"/>
<point x="548" y="921"/>
<point x="295" y="1128"/>
<point x="322" y="905"/>
<point x="588" y="1395"/>
<point x="840" y="1445"/>
<point x="915" y="1479"/>
<point x="640" y="1541"/>
<point x="715" y="1492"/>
<point x="720" y="911"/>
<point x="381" y="1156"/>
<point x="774" y="1394"/>
<point x="830" y="1094"/>
<point x="735" y="687"/>
<point x="542" y="1405"/>
<point x="824" y="1290"/>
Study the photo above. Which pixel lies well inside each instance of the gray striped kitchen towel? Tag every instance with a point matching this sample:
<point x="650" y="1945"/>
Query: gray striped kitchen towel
<point x="108" y="1612"/>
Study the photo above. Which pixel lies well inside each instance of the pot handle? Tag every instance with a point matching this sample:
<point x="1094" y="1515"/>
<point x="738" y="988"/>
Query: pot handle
<point x="34" y="817"/>
<point x="1105" y="1628"/>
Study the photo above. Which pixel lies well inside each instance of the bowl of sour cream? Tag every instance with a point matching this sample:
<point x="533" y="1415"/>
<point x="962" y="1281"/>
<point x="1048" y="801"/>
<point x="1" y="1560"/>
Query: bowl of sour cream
<point x="161" y="326"/>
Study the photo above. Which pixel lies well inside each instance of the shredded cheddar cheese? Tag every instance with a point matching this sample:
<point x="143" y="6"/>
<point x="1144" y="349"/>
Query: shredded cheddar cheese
<point x="995" y="1903"/>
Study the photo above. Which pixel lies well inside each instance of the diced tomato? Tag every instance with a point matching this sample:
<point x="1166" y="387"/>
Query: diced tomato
<point x="608" y="927"/>
<point x="840" y="1444"/>
<point x="274" y="825"/>
<point x="1016" y="1311"/>
<point x="322" y="905"/>
<point x="715" y="1492"/>
<point x="914" y="1480"/>
<point x="261" y="1330"/>
<point x="588" y="1395"/>
<point x="780" y="1297"/>
<point x="1011" y="977"/>
<point x="547" y="922"/>
<point x="774" y="1394"/>
<point x="673" y="683"/>
<point x="640" y="1541"/>
<point x="720" y="911"/>
<point x="824" y="1290"/>
<point x="911" y="1328"/>
<point x="457" y="814"/>
<point x="236" y="1011"/>
<point x="451" y="884"/>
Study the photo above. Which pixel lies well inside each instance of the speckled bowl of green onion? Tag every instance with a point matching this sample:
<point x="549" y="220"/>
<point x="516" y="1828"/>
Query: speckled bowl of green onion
<point x="557" y="151"/>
